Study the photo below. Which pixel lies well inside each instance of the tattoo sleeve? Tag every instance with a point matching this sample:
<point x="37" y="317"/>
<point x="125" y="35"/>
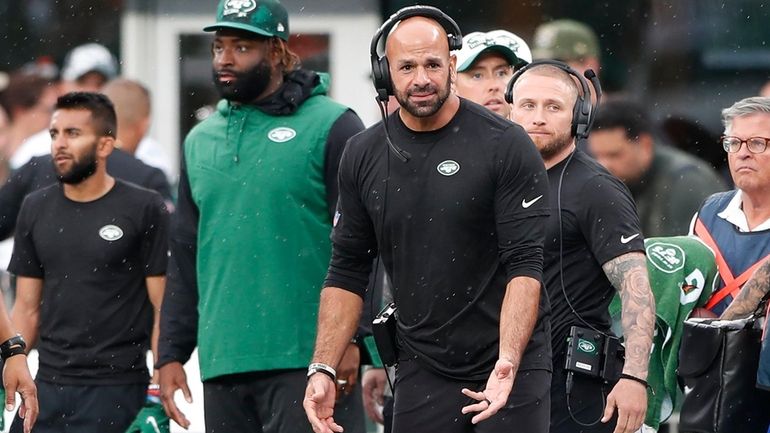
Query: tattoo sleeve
<point x="628" y="274"/>
<point x="750" y="295"/>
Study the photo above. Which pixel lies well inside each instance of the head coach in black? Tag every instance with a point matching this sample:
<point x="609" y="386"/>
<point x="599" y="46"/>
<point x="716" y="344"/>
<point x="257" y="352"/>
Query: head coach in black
<point x="593" y="243"/>
<point x="454" y="198"/>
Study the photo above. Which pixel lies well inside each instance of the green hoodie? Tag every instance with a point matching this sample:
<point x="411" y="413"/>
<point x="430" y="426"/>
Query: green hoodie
<point x="257" y="180"/>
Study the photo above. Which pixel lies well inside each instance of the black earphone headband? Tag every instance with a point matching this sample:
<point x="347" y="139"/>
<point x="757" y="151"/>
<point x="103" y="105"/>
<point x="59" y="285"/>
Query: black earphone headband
<point x="584" y="111"/>
<point x="380" y="67"/>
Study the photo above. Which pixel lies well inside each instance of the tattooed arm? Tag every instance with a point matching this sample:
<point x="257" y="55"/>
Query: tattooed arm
<point x="750" y="295"/>
<point x="628" y="274"/>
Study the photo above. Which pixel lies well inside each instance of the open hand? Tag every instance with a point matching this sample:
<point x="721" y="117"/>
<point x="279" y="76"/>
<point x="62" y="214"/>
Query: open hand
<point x="495" y="394"/>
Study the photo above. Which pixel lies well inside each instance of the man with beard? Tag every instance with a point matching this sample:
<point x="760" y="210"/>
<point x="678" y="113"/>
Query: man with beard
<point x="257" y="195"/>
<point x="593" y="243"/>
<point x="456" y="211"/>
<point x="90" y="260"/>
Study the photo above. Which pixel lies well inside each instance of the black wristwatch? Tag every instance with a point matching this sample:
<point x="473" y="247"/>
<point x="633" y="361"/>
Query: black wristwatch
<point x="12" y="347"/>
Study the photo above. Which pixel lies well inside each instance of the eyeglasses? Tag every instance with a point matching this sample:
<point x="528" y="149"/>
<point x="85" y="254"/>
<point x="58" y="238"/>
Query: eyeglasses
<point x="754" y="144"/>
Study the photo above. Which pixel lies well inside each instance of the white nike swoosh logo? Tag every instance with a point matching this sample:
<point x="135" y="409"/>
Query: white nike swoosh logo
<point x="625" y="240"/>
<point x="153" y="423"/>
<point x="525" y="204"/>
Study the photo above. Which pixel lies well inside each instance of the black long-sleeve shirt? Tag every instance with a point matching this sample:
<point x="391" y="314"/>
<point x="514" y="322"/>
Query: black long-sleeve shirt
<point x="453" y="226"/>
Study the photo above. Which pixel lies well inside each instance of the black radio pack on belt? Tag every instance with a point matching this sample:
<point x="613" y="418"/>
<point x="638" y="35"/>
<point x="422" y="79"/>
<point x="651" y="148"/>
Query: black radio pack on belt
<point x="384" y="333"/>
<point x="594" y="354"/>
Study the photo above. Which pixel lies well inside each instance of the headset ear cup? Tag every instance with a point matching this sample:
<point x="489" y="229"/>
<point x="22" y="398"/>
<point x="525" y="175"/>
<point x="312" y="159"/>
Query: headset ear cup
<point x="455" y="43"/>
<point x="509" y="94"/>
<point x="387" y="83"/>
<point x="581" y="116"/>
<point x="576" y="116"/>
<point x="585" y="117"/>
<point x="376" y="74"/>
<point x="381" y="77"/>
<point x="509" y="89"/>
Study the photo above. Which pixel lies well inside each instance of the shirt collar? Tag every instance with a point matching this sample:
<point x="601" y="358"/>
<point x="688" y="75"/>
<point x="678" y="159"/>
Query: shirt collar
<point x="733" y="213"/>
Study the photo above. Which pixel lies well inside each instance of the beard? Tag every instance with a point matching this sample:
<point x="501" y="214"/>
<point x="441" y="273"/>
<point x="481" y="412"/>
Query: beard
<point x="556" y="145"/>
<point x="247" y="85"/>
<point x="425" y="108"/>
<point x="82" y="169"/>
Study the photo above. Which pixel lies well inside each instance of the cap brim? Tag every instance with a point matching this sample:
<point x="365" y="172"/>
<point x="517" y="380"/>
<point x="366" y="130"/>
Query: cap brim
<point x="237" y="26"/>
<point x="506" y="52"/>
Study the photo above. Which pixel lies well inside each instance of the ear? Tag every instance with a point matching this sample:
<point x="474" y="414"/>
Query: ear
<point x="143" y="126"/>
<point x="453" y="68"/>
<point x="646" y="143"/>
<point x="104" y="147"/>
<point x="274" y="50"/>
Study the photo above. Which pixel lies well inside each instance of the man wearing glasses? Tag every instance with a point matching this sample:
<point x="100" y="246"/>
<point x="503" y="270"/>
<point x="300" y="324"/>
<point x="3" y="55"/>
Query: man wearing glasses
<point x="735" y="223"/>
<point x="485" y="64"/>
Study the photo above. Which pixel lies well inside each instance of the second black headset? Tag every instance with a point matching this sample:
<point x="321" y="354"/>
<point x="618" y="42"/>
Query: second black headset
<point x="380" y="67"/>
<point x="584" y="111"/>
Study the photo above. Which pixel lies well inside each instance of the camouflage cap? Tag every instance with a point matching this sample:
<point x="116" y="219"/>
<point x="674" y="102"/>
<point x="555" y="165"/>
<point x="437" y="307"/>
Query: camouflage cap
<point x="565" y="40"/>
<point x="263" y="17"/>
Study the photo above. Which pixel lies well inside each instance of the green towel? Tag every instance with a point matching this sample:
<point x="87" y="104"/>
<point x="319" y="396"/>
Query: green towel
<point x="682" y="275"/>
<point x="151" y="419"/>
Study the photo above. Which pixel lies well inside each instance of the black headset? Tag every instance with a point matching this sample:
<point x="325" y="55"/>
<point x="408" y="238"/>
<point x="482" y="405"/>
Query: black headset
<point x="380" y="67"/>
<point x="584" y="111"/>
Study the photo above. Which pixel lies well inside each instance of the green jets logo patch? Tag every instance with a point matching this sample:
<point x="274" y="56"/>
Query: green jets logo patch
<point x="668" y="258"/>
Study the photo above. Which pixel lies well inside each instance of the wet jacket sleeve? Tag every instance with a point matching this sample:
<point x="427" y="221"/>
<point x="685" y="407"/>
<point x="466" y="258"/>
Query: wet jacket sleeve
<point x="179" y="311"/>
<point x="354" y="245"/>
<point x="521" y="205"/>
<point x="346" y="126"/>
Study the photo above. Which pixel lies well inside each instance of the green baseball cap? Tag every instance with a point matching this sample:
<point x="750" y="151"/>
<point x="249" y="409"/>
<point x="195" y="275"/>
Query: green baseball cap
<point x="263" y="17"/>
<point x="565" y="40"/>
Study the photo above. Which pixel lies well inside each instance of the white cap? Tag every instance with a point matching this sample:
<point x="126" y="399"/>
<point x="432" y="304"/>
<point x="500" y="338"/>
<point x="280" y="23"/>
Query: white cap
<point x="89" y="58"/>
<point x="506" y="43"/>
